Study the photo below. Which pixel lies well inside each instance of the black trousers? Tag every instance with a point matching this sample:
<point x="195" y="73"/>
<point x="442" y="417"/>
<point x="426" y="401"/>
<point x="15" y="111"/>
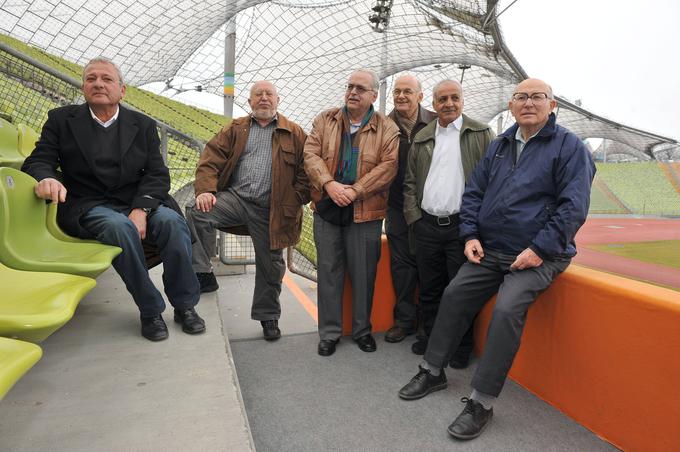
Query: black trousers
<point x="439" y="256"/>
<point x="404" y="269"/>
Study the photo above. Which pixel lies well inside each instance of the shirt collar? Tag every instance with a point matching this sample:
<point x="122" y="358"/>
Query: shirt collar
<point x="107" y="123"/>
<point x="519" y="137"/>
<point x="454" y="125"/>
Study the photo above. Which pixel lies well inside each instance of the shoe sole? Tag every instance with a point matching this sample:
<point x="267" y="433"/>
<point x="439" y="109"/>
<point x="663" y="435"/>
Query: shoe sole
<point x="273" y="338"/>
<point x="155" y="339"/>
<point x="466" y="437"/>
<point x="209" y="289"/>
<point x="439" y="387"/>
<point x="178" y="320"/>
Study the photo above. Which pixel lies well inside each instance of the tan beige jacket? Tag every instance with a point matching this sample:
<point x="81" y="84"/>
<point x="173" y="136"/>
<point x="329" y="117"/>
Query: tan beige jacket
<point x="290" y="186"/>
<point x="376" y="167"/>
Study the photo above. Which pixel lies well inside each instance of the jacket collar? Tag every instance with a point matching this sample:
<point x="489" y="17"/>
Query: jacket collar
<point x="548" y="129"/>
<point x="424" y="117"/>
<point x="372" y="123"/>
<point x="282" y="123"/>
<point x="80" y="122"/>
<point x="427" y="133"/>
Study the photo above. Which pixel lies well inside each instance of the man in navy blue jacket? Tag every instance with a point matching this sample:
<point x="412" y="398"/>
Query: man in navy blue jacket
<point x="521" y="210"/>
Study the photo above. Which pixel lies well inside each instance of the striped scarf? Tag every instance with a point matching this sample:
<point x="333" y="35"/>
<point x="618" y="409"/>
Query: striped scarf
<point x="349" y="148"/>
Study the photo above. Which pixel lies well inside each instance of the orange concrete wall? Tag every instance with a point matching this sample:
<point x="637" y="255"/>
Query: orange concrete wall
<point x="603" y="349"/>
<point x="382" y="316"/>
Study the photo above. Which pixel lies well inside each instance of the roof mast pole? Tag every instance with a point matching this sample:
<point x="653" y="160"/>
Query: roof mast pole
<point x="229" y="67"/>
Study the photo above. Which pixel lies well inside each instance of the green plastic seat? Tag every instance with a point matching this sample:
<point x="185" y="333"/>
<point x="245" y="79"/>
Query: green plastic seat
<point x="9" y="145"/>
<point x="27" y="244"/>
<point x="16" y="358"/>
<point x="36" y="304"/>
<point x="27" y="139"/>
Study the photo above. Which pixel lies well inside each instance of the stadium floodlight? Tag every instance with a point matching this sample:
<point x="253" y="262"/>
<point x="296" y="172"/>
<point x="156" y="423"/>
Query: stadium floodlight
<point x="380" y="19"/>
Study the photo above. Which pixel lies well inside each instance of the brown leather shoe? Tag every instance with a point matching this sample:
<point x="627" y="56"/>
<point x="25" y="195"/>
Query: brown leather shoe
<point x="397" y="334"/>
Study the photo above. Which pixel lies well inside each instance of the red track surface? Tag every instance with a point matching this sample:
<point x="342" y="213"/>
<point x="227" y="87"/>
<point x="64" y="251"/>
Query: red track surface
<point x="625" y="230"/>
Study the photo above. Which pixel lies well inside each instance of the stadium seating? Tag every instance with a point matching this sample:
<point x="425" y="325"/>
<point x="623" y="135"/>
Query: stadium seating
<point x="16" y="357"/>
<point x="9" y="145"/>
<point x="27" y="139"/>
<point x="36" y="304"/>
<point x="26" y="243"/>
<point x="642" y="186"/>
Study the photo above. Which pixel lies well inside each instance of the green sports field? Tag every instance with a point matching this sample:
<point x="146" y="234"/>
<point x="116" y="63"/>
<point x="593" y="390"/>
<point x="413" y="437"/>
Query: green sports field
<point x="664" y="252"/>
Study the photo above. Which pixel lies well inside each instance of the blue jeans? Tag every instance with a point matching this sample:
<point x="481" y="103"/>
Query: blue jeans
<point x="170" y="233"/>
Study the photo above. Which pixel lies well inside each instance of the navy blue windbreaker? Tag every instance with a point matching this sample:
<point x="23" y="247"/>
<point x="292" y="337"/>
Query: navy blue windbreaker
<point x="540" y="202"/>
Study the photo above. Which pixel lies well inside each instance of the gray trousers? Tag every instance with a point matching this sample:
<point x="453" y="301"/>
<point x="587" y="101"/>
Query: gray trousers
<point x="466" y="295"/>
<point x="355" y="248"/>
<point x="230" y="210"/>
<point x="404" y="269"/>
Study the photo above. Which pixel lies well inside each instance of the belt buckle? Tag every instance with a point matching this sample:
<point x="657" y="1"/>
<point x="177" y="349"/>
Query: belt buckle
<point x="444" y="221"/>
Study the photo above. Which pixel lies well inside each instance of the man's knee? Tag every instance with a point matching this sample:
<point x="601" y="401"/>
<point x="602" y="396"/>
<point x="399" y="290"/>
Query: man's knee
<point x="118" y="230"/>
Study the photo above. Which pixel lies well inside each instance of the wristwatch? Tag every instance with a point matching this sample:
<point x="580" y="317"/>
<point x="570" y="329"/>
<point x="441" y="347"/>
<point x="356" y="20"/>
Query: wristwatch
<point x="147" y="210"/>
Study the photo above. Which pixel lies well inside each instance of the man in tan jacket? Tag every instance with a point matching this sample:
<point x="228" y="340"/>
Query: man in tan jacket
<point x="251" y="178"/>
<point x="350" y="158"/>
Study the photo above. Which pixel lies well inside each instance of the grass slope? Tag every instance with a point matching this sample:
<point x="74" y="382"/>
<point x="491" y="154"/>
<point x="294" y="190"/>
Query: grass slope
<point x="195" y="122"/>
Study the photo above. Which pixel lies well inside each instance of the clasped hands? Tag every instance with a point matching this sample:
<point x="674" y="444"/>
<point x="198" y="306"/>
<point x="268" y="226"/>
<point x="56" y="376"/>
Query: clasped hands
<point x="341" y="194"/>
<point x="526" y="259"/>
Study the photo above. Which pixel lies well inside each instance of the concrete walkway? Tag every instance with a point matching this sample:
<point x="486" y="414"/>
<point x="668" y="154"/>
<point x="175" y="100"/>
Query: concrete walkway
<point x="100" y="386"/>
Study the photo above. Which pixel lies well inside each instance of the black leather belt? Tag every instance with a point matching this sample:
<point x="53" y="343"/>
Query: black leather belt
<point x="446" y="220"/>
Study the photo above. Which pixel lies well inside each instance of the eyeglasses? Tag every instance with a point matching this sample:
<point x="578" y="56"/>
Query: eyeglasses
<point x="405" y="92"/>
<point x="358" y="88"/>
<point x="536" y="98"/>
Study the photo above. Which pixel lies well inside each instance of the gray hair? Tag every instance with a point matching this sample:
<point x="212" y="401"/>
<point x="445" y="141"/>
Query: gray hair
<point x="439" y="84"/>
<point x="101" y="59"/>
<point x="374" y="77"/>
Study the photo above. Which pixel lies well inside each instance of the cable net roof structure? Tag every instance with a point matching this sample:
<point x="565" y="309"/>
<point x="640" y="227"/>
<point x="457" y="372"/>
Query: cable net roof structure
<point x="306" y="47"/>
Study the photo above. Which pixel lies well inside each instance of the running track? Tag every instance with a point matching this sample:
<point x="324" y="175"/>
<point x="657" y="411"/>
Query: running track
<point x="623" y="230"/>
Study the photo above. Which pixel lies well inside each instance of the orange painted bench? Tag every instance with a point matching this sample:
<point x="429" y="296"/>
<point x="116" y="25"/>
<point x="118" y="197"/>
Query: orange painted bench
<point x="603" y="349"/>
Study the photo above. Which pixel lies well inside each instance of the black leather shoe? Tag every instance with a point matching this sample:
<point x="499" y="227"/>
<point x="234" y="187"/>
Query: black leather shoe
<point x="270" y="330"/>
<point x="423" y="384"/>
<point x="191" y="322"/>
<point x="460" y="359"/>
<point x="419" y="346"/>
<point x="327" y="347"/>
<point x="366" y="343"/>
<point x="154" y="328"/>
<point x="397" y="334"/>
<point x="207" y="281"/>
<point x="470" y="423"/>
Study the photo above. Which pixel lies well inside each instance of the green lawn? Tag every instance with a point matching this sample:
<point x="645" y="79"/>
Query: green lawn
<point x="664" y="252"/>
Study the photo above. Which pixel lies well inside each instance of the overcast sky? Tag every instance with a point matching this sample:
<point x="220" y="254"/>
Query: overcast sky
<point x="621" y="58"/>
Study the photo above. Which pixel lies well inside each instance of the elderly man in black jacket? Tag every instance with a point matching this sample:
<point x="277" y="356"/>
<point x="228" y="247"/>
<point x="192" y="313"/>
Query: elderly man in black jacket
<point x="117" y="186"/>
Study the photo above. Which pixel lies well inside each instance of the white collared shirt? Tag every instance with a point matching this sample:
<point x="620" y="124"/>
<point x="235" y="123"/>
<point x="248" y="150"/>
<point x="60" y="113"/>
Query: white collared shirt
<point x="109" y="122"/>
<point x="445" y="183"/>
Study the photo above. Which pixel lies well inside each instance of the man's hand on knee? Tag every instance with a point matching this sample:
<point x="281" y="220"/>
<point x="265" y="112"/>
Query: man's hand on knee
<point x="526" y="259"/>
<point x="205" y="202"/>
<point x="474" y="251"/>
<point x="138" y="218"/>
<point x="50" y="188"/>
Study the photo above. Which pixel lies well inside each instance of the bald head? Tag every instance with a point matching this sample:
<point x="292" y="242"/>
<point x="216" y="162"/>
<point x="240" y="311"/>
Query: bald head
<point x="263" y="100"/>
<point x="531" y="104"/>
<point x="407" y="95"/>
